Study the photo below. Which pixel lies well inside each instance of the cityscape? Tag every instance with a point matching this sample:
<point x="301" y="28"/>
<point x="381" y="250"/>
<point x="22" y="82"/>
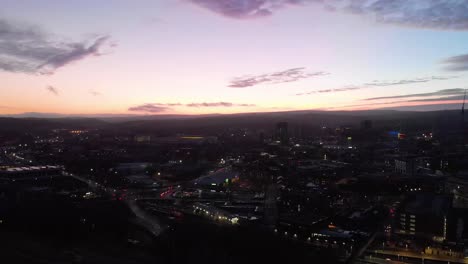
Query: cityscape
<point x="363" y="191"/>
<point x="234" y="131"/>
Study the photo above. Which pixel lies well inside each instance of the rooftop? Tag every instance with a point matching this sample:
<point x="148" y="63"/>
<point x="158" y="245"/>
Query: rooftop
<point x="30" y="169"/>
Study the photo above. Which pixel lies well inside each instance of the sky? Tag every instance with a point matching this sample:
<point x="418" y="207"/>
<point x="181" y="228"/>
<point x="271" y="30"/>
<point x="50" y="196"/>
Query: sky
<point x="231" y="56"/>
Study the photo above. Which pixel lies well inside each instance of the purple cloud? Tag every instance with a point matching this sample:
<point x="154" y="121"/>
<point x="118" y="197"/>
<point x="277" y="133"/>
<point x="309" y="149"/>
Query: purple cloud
<point x="168" y="104"/>
<point x="336" y="90"/>
<point x="28" y="49"/>
<point x="377" y="83"/>
<point x="242" y="9"/>
<point x="290" y="75"/>
<point x="218" y="104"/>
<point x="148" y="108"/>
<point x="441" y="100"/>
<point x="457" y="63"/>
<point x="52" y="90"/>
<point x="161" y="107"/>
<point x="94" y="93"/>
<point x="445" y="92"/>
<point x="410" y="81"/>
<point x="438" y="14"/>
<point x="72" y="52"/>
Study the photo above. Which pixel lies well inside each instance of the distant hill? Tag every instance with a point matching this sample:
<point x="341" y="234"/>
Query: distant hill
<point x="36" y="124"/>
<point x="407" y="120"/>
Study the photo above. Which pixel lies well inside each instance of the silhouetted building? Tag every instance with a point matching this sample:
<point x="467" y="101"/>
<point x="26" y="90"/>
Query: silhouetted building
<point x="405" y="166"/>
<point x="458" y="187"/>
<point x="261" y="137"/>
<point x="271" y="207"/>
<point x="29" y="173"/>
<point x="282" y="132"/>
<point x="366" y="124"/>
<point x="424" y="215"/>
<point x="132" y="168"/>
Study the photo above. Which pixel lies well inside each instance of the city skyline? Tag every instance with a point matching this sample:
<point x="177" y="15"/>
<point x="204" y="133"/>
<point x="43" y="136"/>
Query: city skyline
<point x="231" y="56"/>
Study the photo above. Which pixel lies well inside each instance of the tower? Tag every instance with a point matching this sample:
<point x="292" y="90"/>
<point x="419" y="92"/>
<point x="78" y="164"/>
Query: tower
<point x="282" y="132"/>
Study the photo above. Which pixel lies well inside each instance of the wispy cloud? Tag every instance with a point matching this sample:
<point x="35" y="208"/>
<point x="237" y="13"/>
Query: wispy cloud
<point x="456" y="63"/>
<point x="94" y="93"/>
<point x="415" y="102"/>
<point x="441" y="97"/>
<point x="245" y="9"/>
<point x="289" y="75"/>
<point x="168" y="104"/>
<point x="161" y="107"/>
<point x="410" y="81"/>
<point x="378" y="83"/>
<point x="52" y="90"/>
<point x="28" y="49"/>
<point x="436" y="14"/>
<point x="445" y="92"/>
<point x="445" y="98"/>
<point x="218" y="104"/>
<point x="148" y="108"/>
<point x="6" y="107"/>
<point x="325" y="91"/>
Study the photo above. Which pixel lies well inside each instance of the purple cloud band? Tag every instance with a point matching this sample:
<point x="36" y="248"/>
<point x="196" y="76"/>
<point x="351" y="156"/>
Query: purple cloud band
<point x="440" y="97"/>
<point x="410" y="81"/>
<point x="148" y="108"/>
<point x="162" y="107"/>
<point x="438" y="14"/>
<point x="242" y="9"/>
<point x="337" y="90"/>
<point x="377" y="83"/>
<point x="442" y="100"/>
<point x="445" y="92"/>
<point x="289" y="75"/>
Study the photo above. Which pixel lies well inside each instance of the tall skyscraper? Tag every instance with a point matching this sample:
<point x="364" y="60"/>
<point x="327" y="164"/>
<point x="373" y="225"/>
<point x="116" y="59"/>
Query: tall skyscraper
<point x="282" y="132"/>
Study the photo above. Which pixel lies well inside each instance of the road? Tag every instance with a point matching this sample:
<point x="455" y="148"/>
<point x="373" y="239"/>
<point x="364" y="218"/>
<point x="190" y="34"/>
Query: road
<point x="149" y="222"/>
<point x="361" y="251"/>
<point x="373" y="260"/>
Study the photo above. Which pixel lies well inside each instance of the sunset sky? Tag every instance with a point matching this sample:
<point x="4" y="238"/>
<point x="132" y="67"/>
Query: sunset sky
<point x="229" y="56"/>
